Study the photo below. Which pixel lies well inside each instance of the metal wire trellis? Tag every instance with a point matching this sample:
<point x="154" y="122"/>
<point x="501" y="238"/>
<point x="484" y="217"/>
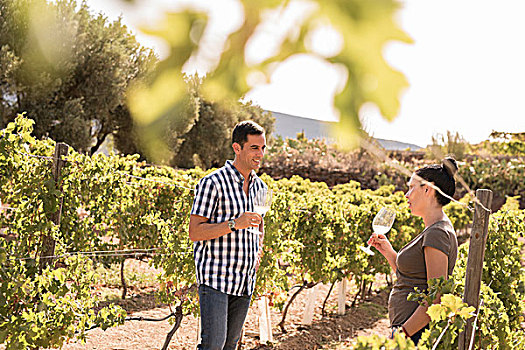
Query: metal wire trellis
<point x="156" y="181"/>
<point x="106" y="253"/>
<point x="35" y="156"/>
<point x="7" y="208"/>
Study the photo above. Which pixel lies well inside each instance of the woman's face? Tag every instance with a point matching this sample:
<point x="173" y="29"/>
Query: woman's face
<point x="416" y="195"/>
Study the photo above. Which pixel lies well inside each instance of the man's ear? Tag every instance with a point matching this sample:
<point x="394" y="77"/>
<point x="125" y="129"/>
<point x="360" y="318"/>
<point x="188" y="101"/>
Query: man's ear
<point x="236" y="147"/>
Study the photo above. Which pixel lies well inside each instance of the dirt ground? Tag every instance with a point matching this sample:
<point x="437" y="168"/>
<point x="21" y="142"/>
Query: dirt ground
<point x="329" y="332"/>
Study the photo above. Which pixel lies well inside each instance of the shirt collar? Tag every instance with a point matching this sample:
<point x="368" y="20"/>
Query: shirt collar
<point x="236" y="174"/>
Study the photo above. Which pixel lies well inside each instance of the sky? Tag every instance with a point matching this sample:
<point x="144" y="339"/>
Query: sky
<point x="466" y="67"/>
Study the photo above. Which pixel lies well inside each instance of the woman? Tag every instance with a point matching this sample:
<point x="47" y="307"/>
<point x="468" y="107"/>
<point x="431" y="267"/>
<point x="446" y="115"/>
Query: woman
<point x="431" y="254"/>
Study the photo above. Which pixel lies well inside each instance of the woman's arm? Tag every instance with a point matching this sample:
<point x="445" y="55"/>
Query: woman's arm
<point x="437" y="265"/>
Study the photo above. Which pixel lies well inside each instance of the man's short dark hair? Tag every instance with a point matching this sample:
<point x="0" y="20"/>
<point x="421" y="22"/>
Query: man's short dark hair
<point x="243" y="129"/>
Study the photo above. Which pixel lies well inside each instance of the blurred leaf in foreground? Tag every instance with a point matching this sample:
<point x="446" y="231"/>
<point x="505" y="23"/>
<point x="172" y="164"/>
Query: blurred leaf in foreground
<point x="365" y="27"/>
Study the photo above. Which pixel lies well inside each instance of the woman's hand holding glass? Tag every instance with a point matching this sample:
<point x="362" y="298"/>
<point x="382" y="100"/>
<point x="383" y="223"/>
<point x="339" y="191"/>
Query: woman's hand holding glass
<point x="381" y="224"/>
<point x="380" y="242"/>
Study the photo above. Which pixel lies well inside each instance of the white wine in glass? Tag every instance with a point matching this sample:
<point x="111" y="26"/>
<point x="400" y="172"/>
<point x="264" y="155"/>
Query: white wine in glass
<point x="262" y="202"/>
<point x="382" y="223"/>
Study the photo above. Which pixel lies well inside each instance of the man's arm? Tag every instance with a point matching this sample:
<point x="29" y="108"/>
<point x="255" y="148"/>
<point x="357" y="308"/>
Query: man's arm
<point x="201" y="230"/>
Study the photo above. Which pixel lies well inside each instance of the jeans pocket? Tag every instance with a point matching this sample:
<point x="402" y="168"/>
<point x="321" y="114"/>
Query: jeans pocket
<point x="205" y="290"/>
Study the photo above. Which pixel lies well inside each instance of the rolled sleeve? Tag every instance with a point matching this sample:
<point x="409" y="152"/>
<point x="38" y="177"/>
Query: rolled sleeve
<point x="205" y="199"/>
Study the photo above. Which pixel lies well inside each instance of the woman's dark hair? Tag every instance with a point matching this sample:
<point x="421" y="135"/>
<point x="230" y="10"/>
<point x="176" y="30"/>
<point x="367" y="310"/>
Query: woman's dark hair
<point x="243" y="129"/>
<point x="442" y="175"/>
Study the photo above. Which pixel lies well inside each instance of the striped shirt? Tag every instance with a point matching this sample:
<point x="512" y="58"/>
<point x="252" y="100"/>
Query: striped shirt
<point x="226" y="263"/>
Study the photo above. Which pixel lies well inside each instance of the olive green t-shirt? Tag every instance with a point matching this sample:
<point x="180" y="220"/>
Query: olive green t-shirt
<point x="411" y="269"/>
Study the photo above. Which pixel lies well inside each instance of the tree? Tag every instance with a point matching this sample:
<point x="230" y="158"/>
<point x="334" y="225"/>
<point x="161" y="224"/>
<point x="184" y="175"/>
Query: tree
<point x="451" y="144"/>
<point x="202" y="135"/>
<point x="68" y="70"/>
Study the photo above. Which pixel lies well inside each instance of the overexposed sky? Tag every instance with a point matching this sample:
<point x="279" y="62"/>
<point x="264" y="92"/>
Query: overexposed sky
<point x="466" y="68"/>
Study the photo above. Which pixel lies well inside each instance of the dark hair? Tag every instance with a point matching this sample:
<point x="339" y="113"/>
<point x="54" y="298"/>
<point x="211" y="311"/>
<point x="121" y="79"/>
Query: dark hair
<point x="243" y="129"/>
<point x="442" y="175"/>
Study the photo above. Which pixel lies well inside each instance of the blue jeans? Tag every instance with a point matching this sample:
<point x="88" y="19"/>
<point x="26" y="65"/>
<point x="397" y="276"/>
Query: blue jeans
<point x="415" y="337"/>
<point x="222" y="318"/>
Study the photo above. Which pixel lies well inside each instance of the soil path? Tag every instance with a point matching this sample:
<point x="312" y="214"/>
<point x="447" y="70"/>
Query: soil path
<point x="330" y="332"/>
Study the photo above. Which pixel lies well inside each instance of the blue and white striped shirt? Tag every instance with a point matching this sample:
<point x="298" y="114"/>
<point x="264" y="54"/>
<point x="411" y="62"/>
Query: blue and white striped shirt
<point x="226" y="263"/>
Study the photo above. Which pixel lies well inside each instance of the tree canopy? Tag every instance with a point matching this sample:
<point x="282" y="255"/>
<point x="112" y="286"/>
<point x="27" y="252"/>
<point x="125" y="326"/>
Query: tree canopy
<point x="71" y="71"/>
<point x="68" y="70"/>
<point x="201" y="135"/>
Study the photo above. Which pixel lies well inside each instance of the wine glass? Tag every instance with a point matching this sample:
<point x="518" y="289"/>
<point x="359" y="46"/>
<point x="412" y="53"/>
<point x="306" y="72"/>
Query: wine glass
<point x="382" y="223"/>
<point x="261" y="203"/>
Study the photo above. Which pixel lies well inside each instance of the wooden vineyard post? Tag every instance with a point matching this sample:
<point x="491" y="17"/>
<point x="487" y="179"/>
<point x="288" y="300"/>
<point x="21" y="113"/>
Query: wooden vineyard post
<point x="309" y="307"/>
<point x="476" y="254"/>
<point x="265" y="323"/>
<point x="48" y="242"/>
<point x="341" y="297"/>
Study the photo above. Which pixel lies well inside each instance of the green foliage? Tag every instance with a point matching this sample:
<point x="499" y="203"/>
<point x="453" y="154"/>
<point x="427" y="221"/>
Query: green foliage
<point x="504" y="176"/>
<point x="365" y="27"/>
<point x="312" y="233"/>
<point x="502" y="143"/>
<point x="68" y="70"/>
<point x="511" y="204"/>
<point x="59" y="300"/>
<point x="447" y="318"/>
<point x="33" y="302"/>
<point x="493" y="330"/>
<point x="502" y="268"/>
<point x="459" y="214"/>
<point x="503" y="287"/>
<point x="374" y="342"/>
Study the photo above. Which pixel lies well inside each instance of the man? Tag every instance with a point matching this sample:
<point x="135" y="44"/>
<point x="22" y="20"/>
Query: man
<point x="227" y="253"/>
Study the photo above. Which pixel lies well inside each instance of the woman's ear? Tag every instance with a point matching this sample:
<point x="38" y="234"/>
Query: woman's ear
<point x="430" y="191"/>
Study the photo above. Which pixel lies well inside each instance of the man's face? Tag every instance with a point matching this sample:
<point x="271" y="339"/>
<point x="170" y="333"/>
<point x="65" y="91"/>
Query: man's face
<point x="252" y="152"/>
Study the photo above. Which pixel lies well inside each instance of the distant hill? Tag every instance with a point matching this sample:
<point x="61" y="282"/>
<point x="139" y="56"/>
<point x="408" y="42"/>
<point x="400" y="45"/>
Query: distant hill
<point x="398" y="145"/>
<point x="287" y="125"/>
